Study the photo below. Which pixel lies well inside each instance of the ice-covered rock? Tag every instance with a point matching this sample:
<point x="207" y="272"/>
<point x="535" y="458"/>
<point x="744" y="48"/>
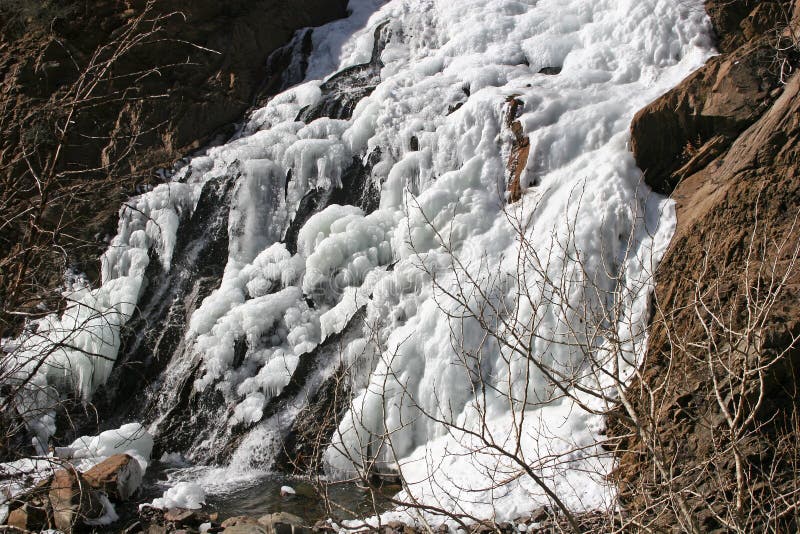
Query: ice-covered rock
<point x="118" y="476"/>
<point x="131" y="439"/>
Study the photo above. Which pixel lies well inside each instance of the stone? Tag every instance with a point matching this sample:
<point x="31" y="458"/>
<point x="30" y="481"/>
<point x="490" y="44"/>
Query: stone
<point x="119" y="476"/>
<point x="323" y="526"/>
<point x="720" y="101"/>
<point x="280" y="517"/>
<point x="177" y="515"/>
<point x="240" y="520"/>
<point x="284" y="523"/>
<point x="246" y="528"/>
<point x="72" y="500"/>
<point x="28" y="517"/>
<point x="398" y="527"/>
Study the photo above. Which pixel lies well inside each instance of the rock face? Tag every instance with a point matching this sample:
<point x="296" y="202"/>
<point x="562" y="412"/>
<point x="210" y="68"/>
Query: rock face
<point x="687" y="128"/>
<point x="718" y="389"/>
<point x="169" y="91"/>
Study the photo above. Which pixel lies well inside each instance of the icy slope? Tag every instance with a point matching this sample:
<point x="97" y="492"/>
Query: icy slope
<point x="440" y="256"/>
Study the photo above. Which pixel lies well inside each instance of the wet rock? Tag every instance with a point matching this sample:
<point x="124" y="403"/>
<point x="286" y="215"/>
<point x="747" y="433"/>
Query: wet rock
<point x="520" y="150"/>
<point x="280" y="517"/>
<point x="243" y="525"/>
<point x="239" y="520"/>
<point x="323" y="525"/>
<point x="342" y="91"/>
<point x="178" y="515"/>
<point x="183" y="517"/>
<point x="155" y="335"/>
<point x="284" y="523"/>
<point x="385" y="474"/>
<point x="317" y="421"/>
<point x="119" y="476"/>
<point x="550" y="71"/>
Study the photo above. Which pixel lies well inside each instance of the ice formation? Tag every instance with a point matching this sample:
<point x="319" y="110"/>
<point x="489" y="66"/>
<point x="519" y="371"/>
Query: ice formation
<point x="131" y="439"/>
<point x="181" y="495"/>
<point x="109" y="513"/>
<point x="442" y="241"/>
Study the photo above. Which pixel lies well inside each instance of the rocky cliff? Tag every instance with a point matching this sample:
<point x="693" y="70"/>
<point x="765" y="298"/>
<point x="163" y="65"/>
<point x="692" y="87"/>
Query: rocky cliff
<point x="97" y="96"/>
<point x="715" y="443"/>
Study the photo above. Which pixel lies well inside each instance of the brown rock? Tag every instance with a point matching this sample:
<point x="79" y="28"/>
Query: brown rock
<point x="28" y="517"/>
<point x="736" y="198"/>
<point x="283" y="523"/>
<point x="280" y="517"/>
<point x="177" y="515"/>
<point x="72" y="500"/>
<point x="520" y="150"/>
<point x="31" y="511"/>
<point x="184" y="87"/>
<point x="119" y="476"/>
<point x="717" y="103"/>
<point x="240" y="520"/>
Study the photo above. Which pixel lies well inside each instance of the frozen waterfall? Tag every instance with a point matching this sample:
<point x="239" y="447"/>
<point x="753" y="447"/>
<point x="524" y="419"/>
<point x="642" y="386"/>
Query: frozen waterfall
<point x="363" y="229"/>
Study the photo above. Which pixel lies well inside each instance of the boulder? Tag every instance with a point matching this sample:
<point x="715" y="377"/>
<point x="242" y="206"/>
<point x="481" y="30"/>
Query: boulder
<point x="239" y="520"/>
<point x="31" y="510"/>
<point x="72" y="500"/>
<point x="119" y="476"/>
<point x="243" y="525"/>
<point x="29" y="516"/>
<point x="183" y="517"/>
<point x="283" y="523"/>
<point x="280" y="517"/>
<point x="178" y="515"/>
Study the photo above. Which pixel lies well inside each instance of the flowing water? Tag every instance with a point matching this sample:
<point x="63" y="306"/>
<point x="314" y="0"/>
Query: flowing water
<point x="262" y="495"/>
